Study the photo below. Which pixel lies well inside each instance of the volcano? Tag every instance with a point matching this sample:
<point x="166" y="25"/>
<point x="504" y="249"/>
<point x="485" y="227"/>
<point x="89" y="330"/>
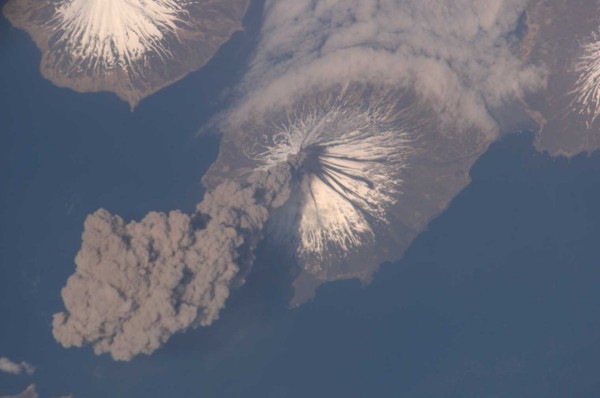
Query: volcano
<point x="130" y="47"/>
<point x="349" y="160"/>
<point x="587" y="87"/>
<point x="371" y="166"/>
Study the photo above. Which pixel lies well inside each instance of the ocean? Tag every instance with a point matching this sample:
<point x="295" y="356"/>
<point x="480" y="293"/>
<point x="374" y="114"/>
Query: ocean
<point x="498" y="298"/>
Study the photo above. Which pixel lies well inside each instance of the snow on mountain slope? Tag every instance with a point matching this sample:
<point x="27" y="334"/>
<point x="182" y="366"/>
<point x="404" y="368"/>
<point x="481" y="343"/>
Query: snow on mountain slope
<point x="587" y="88"/>
<point x="108" y="33"/>
<point x="350" y="160"/>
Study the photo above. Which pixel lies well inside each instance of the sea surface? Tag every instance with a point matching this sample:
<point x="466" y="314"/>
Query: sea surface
<point x="498" y="298"/>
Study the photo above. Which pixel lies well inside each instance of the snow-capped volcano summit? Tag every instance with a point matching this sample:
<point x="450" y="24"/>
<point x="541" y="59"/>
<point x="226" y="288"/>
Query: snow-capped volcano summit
<point x="130" y="47"/>
<point x="349" y="158"/>
<point x="587" y="88"/>
<point x="105" y="34"/>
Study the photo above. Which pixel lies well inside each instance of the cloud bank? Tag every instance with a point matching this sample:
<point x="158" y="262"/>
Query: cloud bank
<point x="137" y="284"/>
<point x="15" y="368"/>
<point x="455" y="54"/>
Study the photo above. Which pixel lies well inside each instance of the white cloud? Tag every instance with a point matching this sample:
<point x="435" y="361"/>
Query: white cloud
<point x="16" y="368"/>
<point x="454" y="54"/>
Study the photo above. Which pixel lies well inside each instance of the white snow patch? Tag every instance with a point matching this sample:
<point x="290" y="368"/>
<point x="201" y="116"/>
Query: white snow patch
<point x="105" y="34"/>
<point x="587" y="87"/>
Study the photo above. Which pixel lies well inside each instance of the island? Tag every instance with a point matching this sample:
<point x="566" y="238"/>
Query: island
<point x="131" y="48"/>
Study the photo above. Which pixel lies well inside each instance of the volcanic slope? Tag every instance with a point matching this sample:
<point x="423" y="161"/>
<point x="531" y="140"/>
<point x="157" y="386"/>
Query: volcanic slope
<point x="564" y="37"/>
<point x="130" y="47"/>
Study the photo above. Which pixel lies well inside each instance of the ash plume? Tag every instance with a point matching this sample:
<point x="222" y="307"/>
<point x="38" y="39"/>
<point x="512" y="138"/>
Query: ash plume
<point x="137" y="284"/>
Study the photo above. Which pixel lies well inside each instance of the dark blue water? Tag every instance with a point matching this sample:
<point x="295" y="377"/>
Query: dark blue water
<point x="499" y="298"/>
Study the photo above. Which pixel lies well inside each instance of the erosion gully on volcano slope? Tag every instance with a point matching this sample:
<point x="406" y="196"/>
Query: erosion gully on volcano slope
<point x="563" y="36"/>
